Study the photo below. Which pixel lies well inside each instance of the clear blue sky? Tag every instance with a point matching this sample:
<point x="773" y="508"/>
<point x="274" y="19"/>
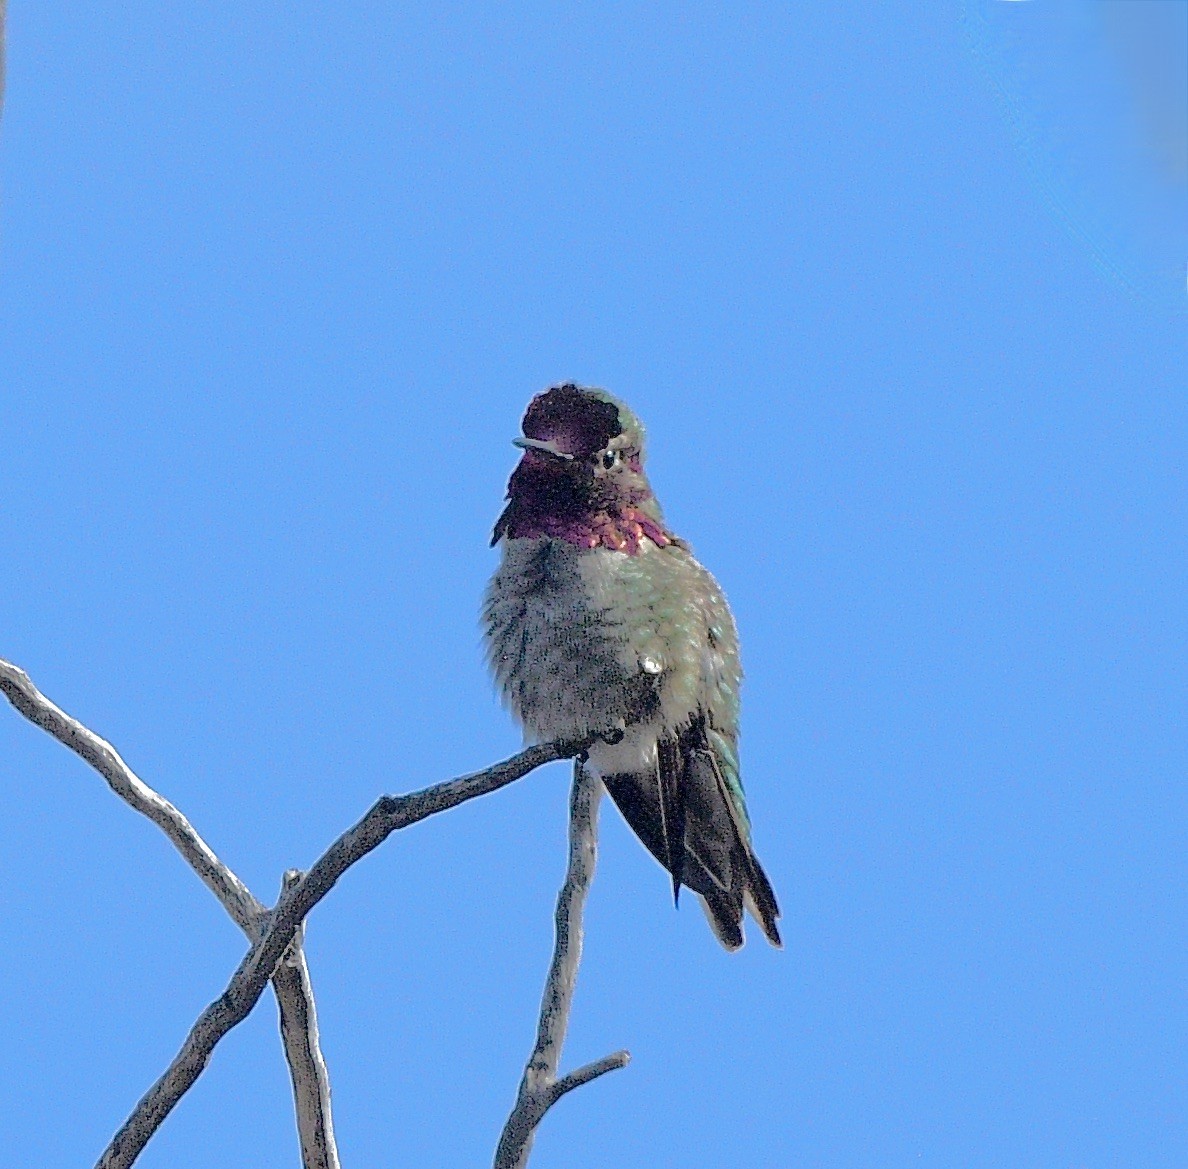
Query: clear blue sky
<point x="276" y="281"/>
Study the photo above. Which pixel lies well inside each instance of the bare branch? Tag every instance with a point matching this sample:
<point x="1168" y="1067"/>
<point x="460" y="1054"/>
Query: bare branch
<point x="299" y="1030"/>
<point x="540" y="1088"/>
<point x="294" y="993"/>
<point x="387" y="815"/>
<point x="273" y="933"/>
<point x="232" y="893"/>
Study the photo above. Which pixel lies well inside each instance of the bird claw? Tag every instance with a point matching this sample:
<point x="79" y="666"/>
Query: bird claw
<point x="612" y="737"/>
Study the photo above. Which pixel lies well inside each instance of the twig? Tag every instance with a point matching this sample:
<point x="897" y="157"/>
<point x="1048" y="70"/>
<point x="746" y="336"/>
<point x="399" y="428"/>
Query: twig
<point x="387" y="815"/>
<point x="540" y="1088"/>
<point x="294" y="994"/>
<point x="299" y="1030"/>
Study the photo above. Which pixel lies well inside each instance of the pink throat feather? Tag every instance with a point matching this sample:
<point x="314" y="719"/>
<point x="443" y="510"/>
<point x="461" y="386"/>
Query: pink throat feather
<point x="625" y="532"/>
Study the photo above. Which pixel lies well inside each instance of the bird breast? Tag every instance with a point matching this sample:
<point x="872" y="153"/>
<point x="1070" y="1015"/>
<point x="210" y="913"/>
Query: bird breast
<point x="585" y="640"/>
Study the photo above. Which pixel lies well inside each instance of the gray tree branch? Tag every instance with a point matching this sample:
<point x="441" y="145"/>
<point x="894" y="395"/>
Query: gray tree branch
<point x="540" y="1088"/>
<point x="294" y="993"/>
<point x="303" y="1051"/>
<point x="387" y="815"/>
<point x="232" y="893"/>
<point x="276" y="952"/>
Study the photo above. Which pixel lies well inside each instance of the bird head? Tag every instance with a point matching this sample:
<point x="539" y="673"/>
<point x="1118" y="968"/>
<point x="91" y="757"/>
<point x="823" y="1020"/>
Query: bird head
<point x="583" y="458"/>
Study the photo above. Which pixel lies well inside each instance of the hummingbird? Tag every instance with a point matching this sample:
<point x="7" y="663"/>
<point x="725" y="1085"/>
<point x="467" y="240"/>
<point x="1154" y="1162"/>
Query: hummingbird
<point x="600" y="623"/>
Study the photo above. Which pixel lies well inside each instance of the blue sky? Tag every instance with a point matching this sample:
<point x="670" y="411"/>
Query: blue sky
<point x="276" y="282"/>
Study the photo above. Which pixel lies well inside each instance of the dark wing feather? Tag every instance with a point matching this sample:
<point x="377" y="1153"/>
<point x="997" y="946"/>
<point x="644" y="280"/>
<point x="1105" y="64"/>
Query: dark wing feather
<point x="671" y="789"/>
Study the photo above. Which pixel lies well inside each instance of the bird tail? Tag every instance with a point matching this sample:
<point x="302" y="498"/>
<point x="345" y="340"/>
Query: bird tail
<point x="724" y="912"/>
<point x="747" y="887"/>
<point x="688" y="817"/>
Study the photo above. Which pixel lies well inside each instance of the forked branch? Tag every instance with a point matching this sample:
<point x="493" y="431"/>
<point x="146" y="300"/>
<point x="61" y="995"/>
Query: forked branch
<point x="387" y="815"/>
<point x="540" y="1087"/>
<point x="294" y="993"/>
<point x="276" y="953"/>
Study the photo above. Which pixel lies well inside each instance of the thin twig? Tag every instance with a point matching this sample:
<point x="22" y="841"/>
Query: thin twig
<point x="294" y="994"/>
<point x="540" y="1088"/>
<point x="387" y="815"/>
<point x="299" y="1030"/>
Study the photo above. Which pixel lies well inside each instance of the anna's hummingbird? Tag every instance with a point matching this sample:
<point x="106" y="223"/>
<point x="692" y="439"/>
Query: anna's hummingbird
<point x="599" y="621"/>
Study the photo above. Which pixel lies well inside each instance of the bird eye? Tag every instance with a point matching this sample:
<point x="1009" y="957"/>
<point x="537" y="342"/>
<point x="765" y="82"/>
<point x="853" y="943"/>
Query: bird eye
<point x="609" y="459"/>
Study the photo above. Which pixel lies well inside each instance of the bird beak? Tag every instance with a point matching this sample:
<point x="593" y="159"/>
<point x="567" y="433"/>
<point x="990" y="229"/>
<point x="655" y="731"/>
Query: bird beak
<point x="547" y="448"/>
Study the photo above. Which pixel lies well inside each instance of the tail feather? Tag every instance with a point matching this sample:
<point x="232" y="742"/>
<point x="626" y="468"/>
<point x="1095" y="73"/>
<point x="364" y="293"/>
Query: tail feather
<point x="761" y="901"/>
<point x="688" y="818"/>
<point x="725" y="919"/>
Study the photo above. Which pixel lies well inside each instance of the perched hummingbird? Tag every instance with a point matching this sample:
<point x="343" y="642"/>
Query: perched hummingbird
<point x="599" y="621"/>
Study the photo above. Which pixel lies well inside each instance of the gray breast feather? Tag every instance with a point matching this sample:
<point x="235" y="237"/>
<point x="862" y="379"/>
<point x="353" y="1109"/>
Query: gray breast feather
<point x="559" y="643"/>
<point x="584" y="640"/>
